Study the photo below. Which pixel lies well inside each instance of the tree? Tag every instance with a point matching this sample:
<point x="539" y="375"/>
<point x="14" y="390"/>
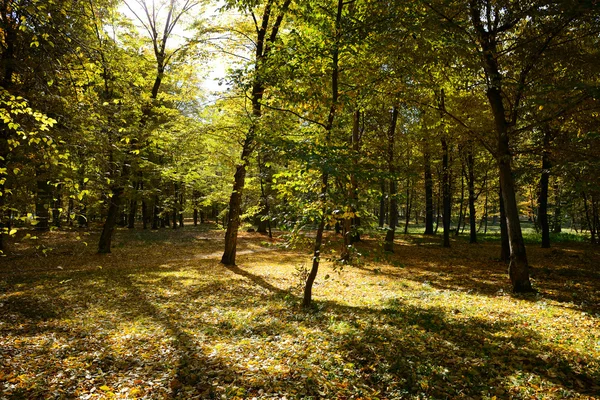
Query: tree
<point x="267" y="31"/>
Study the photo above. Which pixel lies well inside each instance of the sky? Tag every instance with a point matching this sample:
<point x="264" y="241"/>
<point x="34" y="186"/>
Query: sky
<point x="217" y="65"/>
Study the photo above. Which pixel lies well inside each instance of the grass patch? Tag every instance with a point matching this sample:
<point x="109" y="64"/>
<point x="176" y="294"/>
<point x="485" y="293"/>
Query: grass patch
<point x="161" y="318"/>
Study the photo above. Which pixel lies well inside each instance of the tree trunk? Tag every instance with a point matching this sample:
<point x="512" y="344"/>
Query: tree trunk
<point x="462" y="200"/>
<point x="446" y="193"/>
<point x="471" y="185"/>
<point x="518" y="269"/>
<point x="543" y="197"/>
<point x="409" y="200"/>
<point x="590" y="219"/>
<point x="438" y="203"/>
<point x="105" y="242"/>
<point x="235" y="204"/>
<point x="132" y="212"/>
<point x="428" y="193"/>
<point x="155" y="214"/>
<point x="389" y="236"/>
<point x="382" y="207"/>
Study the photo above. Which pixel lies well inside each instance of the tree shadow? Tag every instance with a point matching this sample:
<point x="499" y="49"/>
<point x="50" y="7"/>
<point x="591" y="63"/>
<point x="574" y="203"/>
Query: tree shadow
<point x="411" y="351"/>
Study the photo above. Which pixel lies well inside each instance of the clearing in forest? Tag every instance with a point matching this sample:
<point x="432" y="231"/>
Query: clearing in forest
<point x="161" y="318"/>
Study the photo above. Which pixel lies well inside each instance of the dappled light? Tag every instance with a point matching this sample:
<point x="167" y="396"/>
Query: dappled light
<point x="167" y="323"/>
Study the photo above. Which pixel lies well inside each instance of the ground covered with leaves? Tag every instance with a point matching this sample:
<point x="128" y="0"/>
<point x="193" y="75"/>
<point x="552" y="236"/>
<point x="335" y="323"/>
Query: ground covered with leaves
<point x="161" y="318"/>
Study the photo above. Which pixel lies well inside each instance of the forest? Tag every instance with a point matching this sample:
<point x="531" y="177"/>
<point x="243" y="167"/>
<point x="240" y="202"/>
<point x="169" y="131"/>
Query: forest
<point x="299" y="199"/>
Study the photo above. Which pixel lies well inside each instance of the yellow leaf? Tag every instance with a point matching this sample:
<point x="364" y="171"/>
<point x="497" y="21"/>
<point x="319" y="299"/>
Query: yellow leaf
<point x="105" y="388"/>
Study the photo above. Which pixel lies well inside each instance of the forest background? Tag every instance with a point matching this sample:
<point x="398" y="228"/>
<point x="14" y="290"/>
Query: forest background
<point x="337" y="124"/>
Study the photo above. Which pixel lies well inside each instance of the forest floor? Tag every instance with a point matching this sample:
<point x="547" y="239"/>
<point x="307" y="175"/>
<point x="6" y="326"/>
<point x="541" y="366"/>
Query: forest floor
<point x="161" y="318"/>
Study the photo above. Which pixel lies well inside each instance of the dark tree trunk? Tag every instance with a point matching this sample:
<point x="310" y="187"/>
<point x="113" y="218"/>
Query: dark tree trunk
<point x="543" y="197"/>
<point x="462" y="200"/>
<point x="446" y="193"/>
<point x="355" y="221"/>
<point x="132" y="212"/>
<point x="409" y="200"/>
<point x="155" y="214"/>
<point x="590" y="218"/>
<point x="105" y="242"/>
<point x="428" y="193"/>
<point x="195" y="217"/>
<point x="389" y="236"/>
<point x="518" y="269"/>
<point x="438" y="203"/>
<point x="382" y="207"/>
<point x="471" y="184"/>
<point x="235" y="204"/>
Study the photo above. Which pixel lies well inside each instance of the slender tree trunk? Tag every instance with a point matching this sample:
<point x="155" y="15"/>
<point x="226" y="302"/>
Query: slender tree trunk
<point x="382" y="207"/>
<point x="428" y="192"/>
<point x="438" y="203"/>
<point x="409" y="200"/>
<point x="590" y="218"/>
<point x="355" y="220"/>
<point x="471" y="184"/>
<point x="543" y="198"/>
<point x="389" y="236"/>
<point x="155" y="213"/>
<point x="596" y="216"/>
<point x="462" y="199"/>
<point x="485" y="204"/>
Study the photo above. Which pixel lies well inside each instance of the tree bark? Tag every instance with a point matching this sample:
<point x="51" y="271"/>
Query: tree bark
<point x="462" y="200"/>
<point x="471" y="185"/>
<point x="389" y="236"/>
<point x="518" y="269"/>
<point x="382" y="207"/>
<point x="428" y="192"/>
<point x="104" y="245"/>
